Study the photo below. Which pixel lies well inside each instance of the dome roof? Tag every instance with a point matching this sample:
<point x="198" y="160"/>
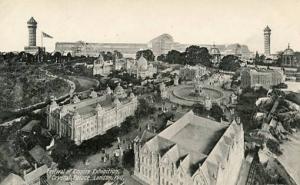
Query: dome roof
<point x="214" y="51"/>
<point x="163" y="38"/>
<point x="119" y="89"/>
<point x="288" y="51"/>
<point x="142" y="63"/>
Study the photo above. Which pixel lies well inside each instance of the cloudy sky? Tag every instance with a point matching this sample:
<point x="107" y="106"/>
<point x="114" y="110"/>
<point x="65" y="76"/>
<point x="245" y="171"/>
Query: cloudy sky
<point x="188" y="21"/>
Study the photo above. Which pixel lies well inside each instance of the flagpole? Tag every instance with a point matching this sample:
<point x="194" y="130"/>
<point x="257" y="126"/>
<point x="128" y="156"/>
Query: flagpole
<point x="42" y="39"/>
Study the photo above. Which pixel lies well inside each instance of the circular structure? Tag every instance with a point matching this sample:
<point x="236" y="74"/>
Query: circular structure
<point x="185" y="94"/>
<point x="288" y="51"/>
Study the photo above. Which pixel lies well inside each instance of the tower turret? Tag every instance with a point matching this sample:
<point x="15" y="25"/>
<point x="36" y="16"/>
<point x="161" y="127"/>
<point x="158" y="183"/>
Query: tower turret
<point x="32" y="25"/>
<point x="267" y="40"/>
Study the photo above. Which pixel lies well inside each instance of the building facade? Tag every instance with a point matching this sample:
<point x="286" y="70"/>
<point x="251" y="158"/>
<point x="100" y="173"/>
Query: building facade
<point x="191" y="151"/>
<point x="161" y="44"/>
<point x="93" y="49"/>
<point x="84" y="119"/>
<point x="216" y="55"/>
<point x="289" y="58"/>
<point x="141" y="68"/>
<point x="101" y="67"/>
<point x="267" y="41"/>
<point x="265" y="78"/>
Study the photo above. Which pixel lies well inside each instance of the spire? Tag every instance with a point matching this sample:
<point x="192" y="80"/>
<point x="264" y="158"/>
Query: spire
<point x="93" y="94"/>
<point x="31" y="21"/>
<point x="267" y="29"/>
<point x="76" y="115"/>
<point x="288" y="45"/>
<point x="98" y="107"/>
<point x="117" y="101"/>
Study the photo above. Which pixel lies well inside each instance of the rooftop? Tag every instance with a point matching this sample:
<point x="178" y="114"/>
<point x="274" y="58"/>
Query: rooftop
<point x="193" y="141"/>
<point x="31" y="21"/>
<point x="201" y="133"/>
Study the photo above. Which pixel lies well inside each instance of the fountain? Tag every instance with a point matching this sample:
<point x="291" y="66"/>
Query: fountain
<point x="196" y="92"/>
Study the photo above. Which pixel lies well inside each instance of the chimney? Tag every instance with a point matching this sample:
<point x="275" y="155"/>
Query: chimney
<point x="35" y="166"/>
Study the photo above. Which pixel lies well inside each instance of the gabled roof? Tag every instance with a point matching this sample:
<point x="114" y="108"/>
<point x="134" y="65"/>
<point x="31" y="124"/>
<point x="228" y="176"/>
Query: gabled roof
<point x="159" y="145"/>
<point x="146" y="136"/>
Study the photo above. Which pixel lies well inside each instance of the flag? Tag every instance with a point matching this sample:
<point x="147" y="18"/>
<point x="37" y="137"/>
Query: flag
<point x="45" y="35"/>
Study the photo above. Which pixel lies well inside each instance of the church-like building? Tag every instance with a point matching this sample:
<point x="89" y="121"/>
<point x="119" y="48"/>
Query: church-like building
<point x="84" y="119"/>
<point x="191" y="151"/>
<point x="141" y="68"/>
<point x="101" y="67"/>
<point x="289" y="58"/>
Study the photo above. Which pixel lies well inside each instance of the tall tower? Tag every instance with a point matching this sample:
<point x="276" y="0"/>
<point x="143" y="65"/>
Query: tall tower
<point x="267" y="39"/>
<point x="32" y="24"/>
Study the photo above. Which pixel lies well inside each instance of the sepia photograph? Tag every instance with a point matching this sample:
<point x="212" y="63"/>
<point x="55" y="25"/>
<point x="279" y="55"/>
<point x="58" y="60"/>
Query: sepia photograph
<point x="149" y="92"/>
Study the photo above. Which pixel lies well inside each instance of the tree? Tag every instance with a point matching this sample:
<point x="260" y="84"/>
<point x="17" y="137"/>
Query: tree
<point x="129" y="123"/>
<point x="199" y="109"/>
<point x="69" y="56"/>
<point x="230" y="63"/>
<point x="174" y="57"/>
<point x="144" y="109"/>
<point x="216" y="112"/>
<point x="57" y="56"/>
<point x="161" y="57"/>
<point x="117" y="55"/>
<point x="197" y="55"/>
<point x="148" y="55"/>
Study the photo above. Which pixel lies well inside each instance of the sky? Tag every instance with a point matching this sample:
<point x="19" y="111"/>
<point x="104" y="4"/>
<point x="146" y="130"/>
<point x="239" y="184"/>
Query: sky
<point x="138" y="21"/>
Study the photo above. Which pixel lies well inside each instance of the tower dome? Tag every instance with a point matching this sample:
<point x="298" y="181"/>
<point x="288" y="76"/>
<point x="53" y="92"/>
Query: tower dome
<point x="119" y="91"/>
<point x="288" y="51"/>
<point x="214" y="51"/>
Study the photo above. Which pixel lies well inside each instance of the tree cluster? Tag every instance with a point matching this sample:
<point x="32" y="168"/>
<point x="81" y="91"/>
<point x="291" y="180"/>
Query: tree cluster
<point x="147" y="54"/>
<point x="230" y="63"/>
<point x="215" y="112"/>
<point x="193" y="55"/>
<point x="26" y="85"/>
<point x="111" y="55"/>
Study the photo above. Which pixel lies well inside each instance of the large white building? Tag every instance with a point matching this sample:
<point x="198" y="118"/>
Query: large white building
<point x="191" y="151"/>
<point x="265" y="78"/>
<point x="84" y="119"/>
